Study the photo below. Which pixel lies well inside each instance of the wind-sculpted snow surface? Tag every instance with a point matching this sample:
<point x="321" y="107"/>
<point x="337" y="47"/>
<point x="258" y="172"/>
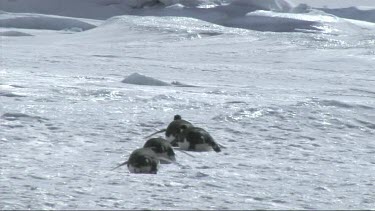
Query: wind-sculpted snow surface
<point x="290" y="94"/>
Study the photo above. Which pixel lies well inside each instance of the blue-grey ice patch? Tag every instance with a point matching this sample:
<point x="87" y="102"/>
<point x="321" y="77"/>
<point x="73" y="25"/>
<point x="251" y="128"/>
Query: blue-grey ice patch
<point x="9" y="94"/>
<point x="14" y="34"/>
<point x="21" y="116"/>
<point x="8" y="90"/>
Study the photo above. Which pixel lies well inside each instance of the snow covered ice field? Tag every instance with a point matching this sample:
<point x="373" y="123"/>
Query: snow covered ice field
<point x="288" y="90"/>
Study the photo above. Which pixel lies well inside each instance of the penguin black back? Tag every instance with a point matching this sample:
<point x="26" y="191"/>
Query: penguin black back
<point x="162" y="148"/>
<point x="197" y="139"/>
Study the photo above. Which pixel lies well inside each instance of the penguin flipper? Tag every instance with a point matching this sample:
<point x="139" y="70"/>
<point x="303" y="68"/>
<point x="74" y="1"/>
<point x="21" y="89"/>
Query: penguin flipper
<point x="167" y="160"/>
<point x="159" y="131"/>
<point x="124" y="163"/>
<point x="183" y="152"/>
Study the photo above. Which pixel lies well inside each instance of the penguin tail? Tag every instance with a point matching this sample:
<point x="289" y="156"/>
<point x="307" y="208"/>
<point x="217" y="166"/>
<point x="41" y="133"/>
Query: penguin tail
<point x="166" y="160"/>
<point x="180" y="150"/>
<point x="213" y="143"/>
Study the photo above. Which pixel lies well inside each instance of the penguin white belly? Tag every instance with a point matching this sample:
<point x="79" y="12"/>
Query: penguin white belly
<point x="170" y="138"/>
<point x="142" y="169"/>
<point x="203" y="147"/>
<point x="185" y="145"/>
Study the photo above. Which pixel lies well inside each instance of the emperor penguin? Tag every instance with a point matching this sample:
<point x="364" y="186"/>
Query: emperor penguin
<point x="142" y="161"/>
<point x="196" y="139"/>
<point x="162" y="148"/>
<point x="174" y="129"/>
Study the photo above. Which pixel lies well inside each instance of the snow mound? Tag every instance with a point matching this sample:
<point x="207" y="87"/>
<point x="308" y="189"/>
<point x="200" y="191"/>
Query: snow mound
<point x="35" y="21"/>
<point x="139" y="79"/>
<point x="244" y="14"/>
<point x="271" y="21"/>
<point x="165" y="25"/>
<point x="14" y="34"/>
<point x="262" y="20"/>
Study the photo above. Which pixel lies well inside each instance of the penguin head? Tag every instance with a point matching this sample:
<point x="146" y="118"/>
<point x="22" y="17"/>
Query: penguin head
<point x="177" y="117"/>
<point x="149" y="165"/>
<point x="180" y="133"/>
<point x="183" y="128"/>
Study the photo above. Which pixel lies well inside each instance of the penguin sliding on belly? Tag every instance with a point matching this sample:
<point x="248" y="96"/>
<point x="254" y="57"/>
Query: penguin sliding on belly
<point x="196" y="139"/>
<point x="162" y="148"/>
<point x="174" y="129"/>
<point x="146" y="160"/>
<point x="142" y="161"/>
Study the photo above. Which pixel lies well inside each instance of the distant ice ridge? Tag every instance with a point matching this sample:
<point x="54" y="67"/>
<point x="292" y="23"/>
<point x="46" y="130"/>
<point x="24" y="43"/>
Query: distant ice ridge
<point x="140" y="79"/>
<point x="259" y="15"/>
<point x="357" y="13"/>
<point x="103" y="9"/>
<point x="277" y="5"/>
<point x="238" y="16"/>
<point x="38" y="21"/>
